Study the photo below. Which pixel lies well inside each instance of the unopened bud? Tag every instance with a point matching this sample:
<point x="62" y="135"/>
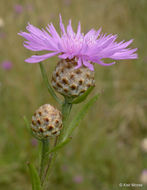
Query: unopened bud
<point x="46" y="122"/>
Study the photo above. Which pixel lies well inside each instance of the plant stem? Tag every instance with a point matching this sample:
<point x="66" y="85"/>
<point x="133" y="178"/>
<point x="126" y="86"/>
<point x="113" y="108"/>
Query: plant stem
<point x="44" y="157"/>
<point x="50" y="163"/>
<point x="66" y="108"/>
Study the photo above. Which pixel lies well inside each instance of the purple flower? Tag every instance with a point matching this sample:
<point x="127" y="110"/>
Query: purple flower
<point x="18" y="8"/>
<point x="34" y="142"/>
<point x="2" y="35"/>
<point x="67" y="2"/>
<point x="29" y="7"/>
<point x="85" y="49"/>
<point x="7" y="65"/>
<point x="64" y="168"/>
<point x="78" y="179"/>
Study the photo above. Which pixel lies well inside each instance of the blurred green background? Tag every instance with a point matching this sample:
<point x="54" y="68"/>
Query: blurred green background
<point x="106" y="148"/>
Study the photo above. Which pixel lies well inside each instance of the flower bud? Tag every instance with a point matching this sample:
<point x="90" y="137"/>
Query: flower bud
<point x="46" y="122"/>
<point x="72" y="82"/>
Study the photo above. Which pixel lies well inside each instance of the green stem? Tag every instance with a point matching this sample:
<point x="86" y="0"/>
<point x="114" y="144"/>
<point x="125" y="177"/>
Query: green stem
<point x="45" y="78"/>
<point x="44" y="157"/>
<point x="66" y="108"/>
<point x="51" y="159"/>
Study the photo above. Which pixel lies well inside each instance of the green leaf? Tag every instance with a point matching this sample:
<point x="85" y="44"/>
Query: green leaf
<point x="79" y="117"/>
<point x="66" y="137"/>
<point x="60" y="145"/>
<point x="83" y="96"/>
<point x="44" y="156"/>
<point x="36" y="185"/>
<point x="49" y="87"/>
<point x="27" y="124"/>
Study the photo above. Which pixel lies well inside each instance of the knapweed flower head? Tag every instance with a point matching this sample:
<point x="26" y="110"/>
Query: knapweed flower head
<point x="78" y="179"/>
<point x="71" y="82"/>
<point x="46" y="122"/>
<point x="18" y="8"/>
<point x="34" y="142"/>
<point x="86" y="49"/>
<point x="7" y="65"/>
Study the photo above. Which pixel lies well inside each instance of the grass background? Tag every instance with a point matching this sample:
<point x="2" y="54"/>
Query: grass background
<point x="105" y="149"/>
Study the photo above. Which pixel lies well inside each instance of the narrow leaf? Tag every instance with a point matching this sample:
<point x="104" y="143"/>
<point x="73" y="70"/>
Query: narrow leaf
<point x="60" y="145"/>
<point x="45" y="78"/>
<point x="79" y="116"/>
<point x="74" y="124"/>
<point x="83" y="96"/>
<point x="27" y="124"/>
<point x="36" y="185"/>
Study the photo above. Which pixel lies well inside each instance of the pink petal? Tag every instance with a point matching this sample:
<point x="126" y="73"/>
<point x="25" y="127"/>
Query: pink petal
<point x="78" y="30"/>
<point x="63" y="56"/>
<point x="38" y="58"/>
<point x="105" y="64"/>
<point x="79" y="63"/>
<point x="62" y="25"/>
<point x="87" y="64"/>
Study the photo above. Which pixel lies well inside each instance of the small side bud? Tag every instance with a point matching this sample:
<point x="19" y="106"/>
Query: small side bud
<point x="46" y="122"/>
